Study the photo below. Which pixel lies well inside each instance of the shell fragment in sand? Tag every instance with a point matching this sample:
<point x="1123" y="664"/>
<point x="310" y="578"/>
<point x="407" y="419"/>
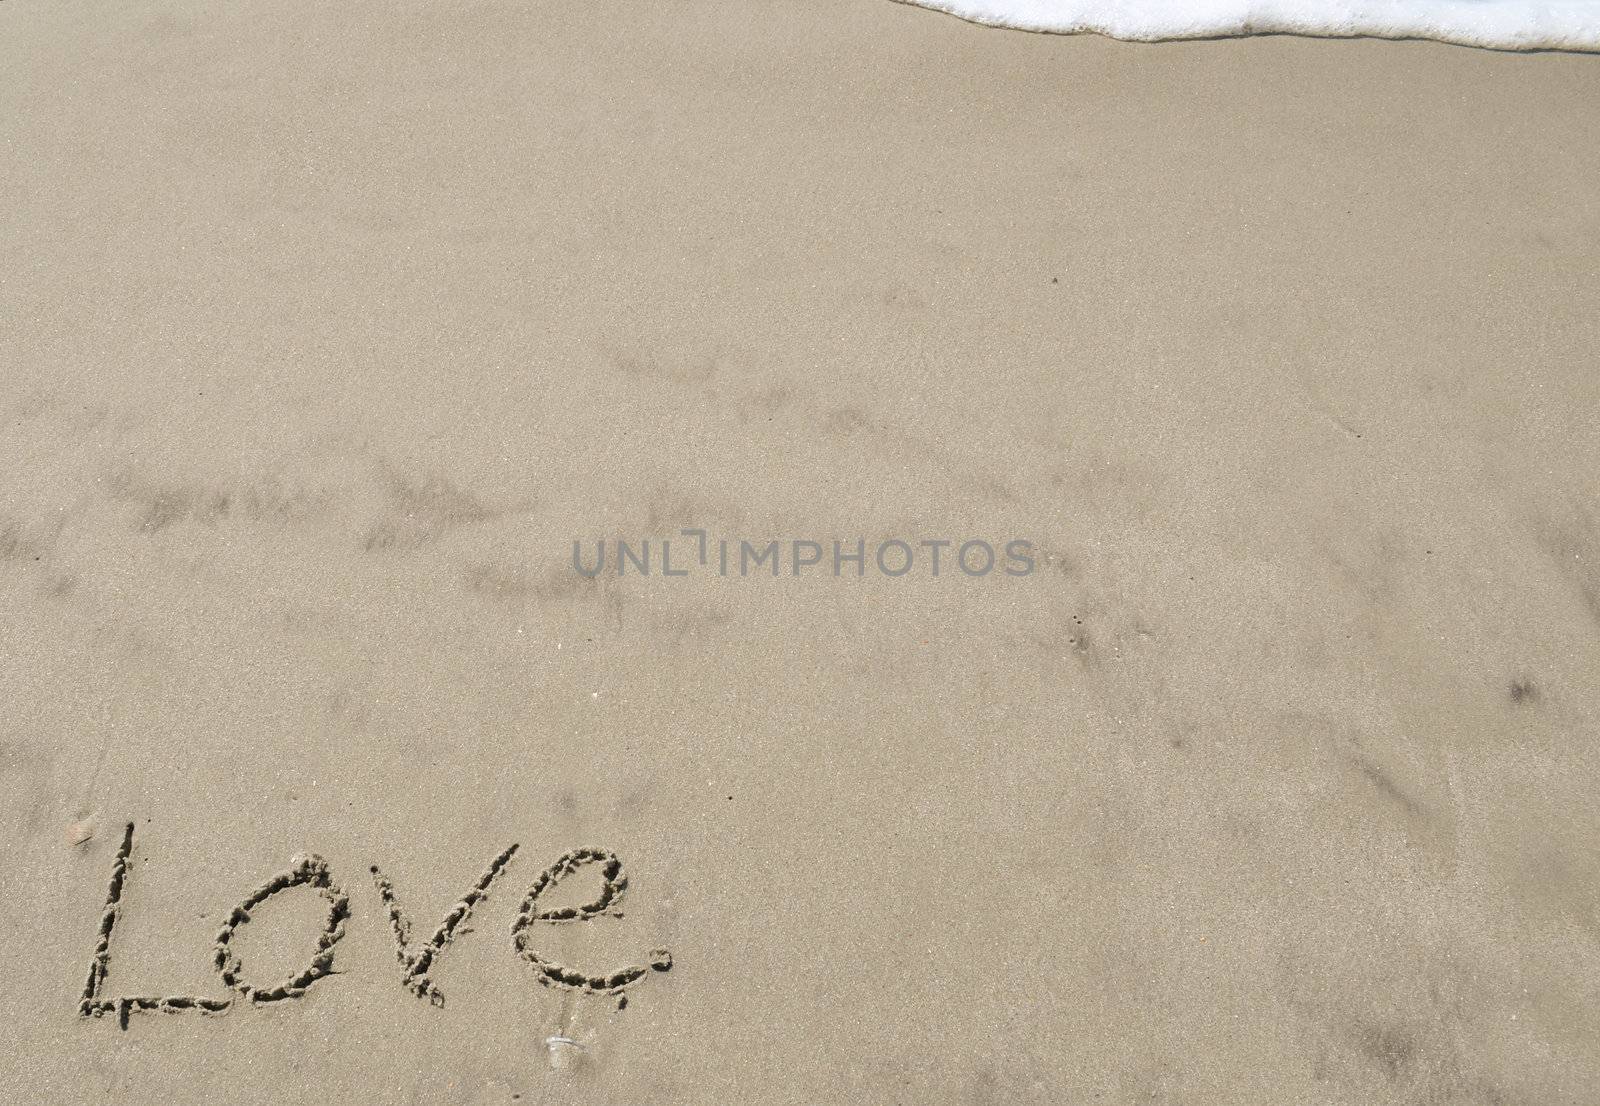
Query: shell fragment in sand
<point x="81" y="829"/>
<point x="564" y="1052"/>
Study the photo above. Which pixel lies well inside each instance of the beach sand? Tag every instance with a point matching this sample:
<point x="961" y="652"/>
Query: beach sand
<point x="328" y="328"/>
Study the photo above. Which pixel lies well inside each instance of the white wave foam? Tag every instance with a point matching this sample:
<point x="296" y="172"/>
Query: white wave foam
<point x="1497" y="24"/>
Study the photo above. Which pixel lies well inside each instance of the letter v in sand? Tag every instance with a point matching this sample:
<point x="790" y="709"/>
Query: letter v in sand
<point x="415" y="965"/>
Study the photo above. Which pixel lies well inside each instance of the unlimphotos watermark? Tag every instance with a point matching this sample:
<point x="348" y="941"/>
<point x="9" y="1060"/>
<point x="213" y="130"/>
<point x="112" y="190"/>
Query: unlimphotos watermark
<point x="892" y="557"/>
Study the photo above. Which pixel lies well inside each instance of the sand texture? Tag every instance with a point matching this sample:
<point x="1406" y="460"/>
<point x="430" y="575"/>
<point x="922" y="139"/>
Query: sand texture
<point x="326" y="328"/>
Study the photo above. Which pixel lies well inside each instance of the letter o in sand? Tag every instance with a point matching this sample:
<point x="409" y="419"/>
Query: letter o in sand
<point x="615" y="886"/>
<point x="311" y="871"/>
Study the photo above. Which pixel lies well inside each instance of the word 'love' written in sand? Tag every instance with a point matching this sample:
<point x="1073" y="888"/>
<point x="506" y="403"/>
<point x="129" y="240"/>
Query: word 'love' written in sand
<point x="416" y="961"/>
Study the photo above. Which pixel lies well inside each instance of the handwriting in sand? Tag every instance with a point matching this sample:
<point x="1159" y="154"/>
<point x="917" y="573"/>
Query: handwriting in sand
<point x="416" y="959"/>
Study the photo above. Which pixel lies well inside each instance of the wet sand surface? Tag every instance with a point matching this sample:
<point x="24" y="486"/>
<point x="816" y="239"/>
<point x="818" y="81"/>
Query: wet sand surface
<point x="328" y="328"/>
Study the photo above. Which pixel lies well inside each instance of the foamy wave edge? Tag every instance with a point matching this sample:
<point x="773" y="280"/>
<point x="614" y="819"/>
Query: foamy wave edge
<point x="1493" y="24"/>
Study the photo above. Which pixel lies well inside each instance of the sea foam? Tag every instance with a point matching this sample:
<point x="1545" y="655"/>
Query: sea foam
<point x="1497" y="24"/>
